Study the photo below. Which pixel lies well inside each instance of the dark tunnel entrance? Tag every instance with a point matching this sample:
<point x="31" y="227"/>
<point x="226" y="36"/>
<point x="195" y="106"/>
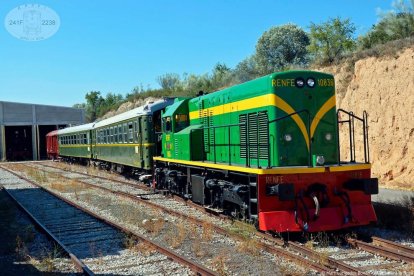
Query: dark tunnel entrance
<point x="43" y="130"/>
<point x="19" y="143"/>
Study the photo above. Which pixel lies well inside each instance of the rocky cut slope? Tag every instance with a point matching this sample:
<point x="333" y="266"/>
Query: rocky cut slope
<point x="384" y="87"/>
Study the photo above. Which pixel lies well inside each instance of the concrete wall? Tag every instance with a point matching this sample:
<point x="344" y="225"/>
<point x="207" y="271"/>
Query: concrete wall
<point x="19" y="114"/>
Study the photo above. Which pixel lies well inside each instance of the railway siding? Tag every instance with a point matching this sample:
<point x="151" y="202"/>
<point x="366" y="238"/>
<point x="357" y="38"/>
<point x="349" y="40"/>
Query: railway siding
<point x="349" y="261"/>
<point x="99" y="246"/>
<point x="217" y="251"/>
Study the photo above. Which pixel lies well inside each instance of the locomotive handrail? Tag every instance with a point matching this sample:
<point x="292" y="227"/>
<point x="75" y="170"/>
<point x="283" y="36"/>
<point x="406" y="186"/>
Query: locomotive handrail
<point x="258" y="144"/>
<point x="351" y="122"/>
<point x="307" y="128"/>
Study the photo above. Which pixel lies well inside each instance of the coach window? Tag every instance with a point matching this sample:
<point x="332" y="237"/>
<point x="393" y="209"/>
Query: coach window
<point x="135" y="131"/>
<point x="125" y="133"/>
<point x="120" y="134"/>
<point x="130" y="133"/>
<point x="115" y="138"/>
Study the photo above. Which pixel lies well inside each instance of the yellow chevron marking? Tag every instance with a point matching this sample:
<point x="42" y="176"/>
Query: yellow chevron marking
<point x="328" y="105"/>
<point x="270" y="100"/>
<point x="298" y="120"/>
<point x="256" y="102"/>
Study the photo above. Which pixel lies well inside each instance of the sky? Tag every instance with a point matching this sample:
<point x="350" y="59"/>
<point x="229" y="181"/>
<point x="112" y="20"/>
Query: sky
<point x="114" y="46"/>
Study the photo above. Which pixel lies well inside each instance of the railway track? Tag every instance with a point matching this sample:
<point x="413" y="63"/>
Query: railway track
<point x="94" y="244"/>
<point x="319" y="262"/>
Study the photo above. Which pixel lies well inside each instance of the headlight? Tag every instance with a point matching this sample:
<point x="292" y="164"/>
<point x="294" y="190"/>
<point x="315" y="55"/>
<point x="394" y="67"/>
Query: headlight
<point x="299" y="82"/>
<point x="287" y="137"/>
<point x="310" y="82"/>
<point x="328" y="136"/>
<point x="320" y="160"/>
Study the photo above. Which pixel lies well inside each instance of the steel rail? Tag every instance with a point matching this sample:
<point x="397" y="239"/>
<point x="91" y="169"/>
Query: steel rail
<point x="393" y="245"/>
<point x="218" y="229"/>
<point x="197" y="268"/>
<point x="78" y="263"/>
<point x="311" y="254"/>
<point x="387" y="252"/>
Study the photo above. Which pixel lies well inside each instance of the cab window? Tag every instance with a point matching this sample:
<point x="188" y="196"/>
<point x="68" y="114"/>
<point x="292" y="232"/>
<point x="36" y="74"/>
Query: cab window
<point x="181" y="122"/>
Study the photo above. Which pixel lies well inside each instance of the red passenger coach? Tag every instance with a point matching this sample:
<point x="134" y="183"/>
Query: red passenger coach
<point x="52" y="145"/>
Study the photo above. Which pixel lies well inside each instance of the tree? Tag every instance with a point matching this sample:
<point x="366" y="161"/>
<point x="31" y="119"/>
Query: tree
<point x="395" y="24"/>
<point x="246" y="70"/>
<point x="93" y="104"/>
<point x="110" y="102"/>
<point x="169" y="81"/>
<point x="221" y="76"/>
<point x="79" y="105"/>
<point x="331" y="39"/>
<point x="281" y="47"/>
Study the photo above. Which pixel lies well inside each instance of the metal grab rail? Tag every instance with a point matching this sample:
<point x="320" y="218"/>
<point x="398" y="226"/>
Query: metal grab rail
<point x="214" y="139"/>
<point x="351" y="122"/>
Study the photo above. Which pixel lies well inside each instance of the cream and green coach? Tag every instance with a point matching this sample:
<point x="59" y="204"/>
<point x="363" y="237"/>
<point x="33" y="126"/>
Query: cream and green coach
<point x="75" y="142"/>
<point x="130" y="139"/>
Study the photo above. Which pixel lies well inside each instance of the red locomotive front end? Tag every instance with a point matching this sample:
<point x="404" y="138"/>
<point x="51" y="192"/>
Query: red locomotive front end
<point x="317" y="199"/>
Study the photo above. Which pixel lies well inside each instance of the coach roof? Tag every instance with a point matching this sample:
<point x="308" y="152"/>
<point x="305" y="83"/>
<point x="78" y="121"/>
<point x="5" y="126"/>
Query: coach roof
<point x="75" y="129"/>
<point x="146" y="109"/>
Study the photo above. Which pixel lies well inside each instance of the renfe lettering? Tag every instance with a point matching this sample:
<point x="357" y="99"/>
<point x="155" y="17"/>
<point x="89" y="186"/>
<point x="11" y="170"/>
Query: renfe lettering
<point x="283" y="82"/>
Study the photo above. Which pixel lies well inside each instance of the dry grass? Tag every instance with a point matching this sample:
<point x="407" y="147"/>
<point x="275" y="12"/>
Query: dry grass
<point x="176" y="235"/>
<point x="207" y="232"/>
<point x="250" y="246"/>
<point x="134" y="244"/>
<point x="219" y="263"/>
<point x="242" y="229"/>
<point x="153" y="226"/>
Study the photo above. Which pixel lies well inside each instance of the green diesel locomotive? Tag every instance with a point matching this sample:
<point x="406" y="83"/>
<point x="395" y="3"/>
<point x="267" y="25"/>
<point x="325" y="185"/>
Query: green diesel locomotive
<point x="268" y="151"/>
